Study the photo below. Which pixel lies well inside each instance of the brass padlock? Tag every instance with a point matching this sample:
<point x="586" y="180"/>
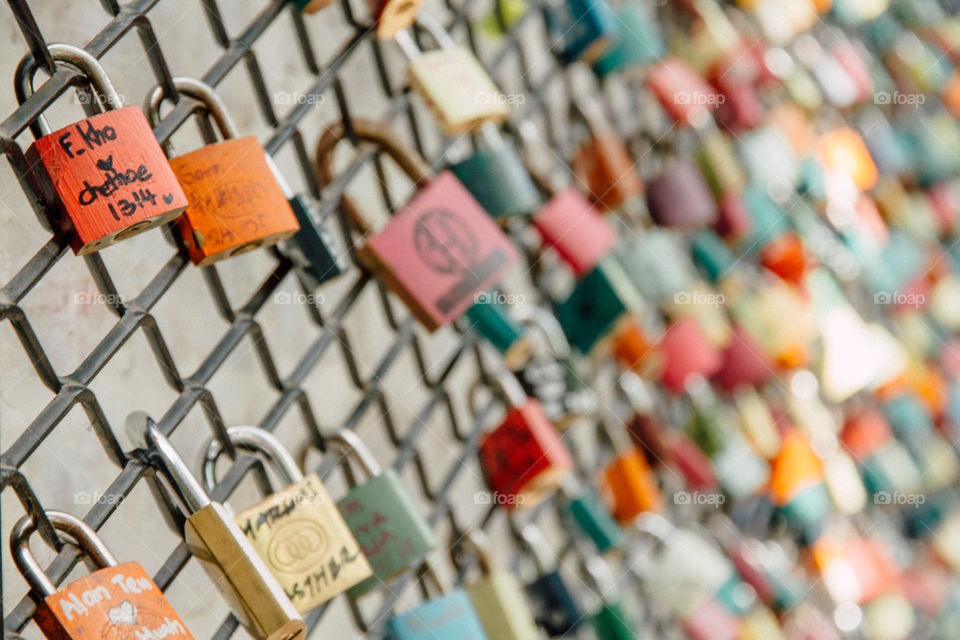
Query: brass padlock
<point x="118" y="601"/>
<point x="498" y="596"/>
<point x="298" y="531"/>
<point x="452" y="82"/>
<point x="211" y="535"/>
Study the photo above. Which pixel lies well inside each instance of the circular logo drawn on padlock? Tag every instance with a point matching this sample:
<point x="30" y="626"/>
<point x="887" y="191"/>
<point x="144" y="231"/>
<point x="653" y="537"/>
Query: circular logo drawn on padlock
<point x="445" y="242"/>
<point x="129" y="622"/>
<point x="297" y="546"/>
<point x="236" y="199"/>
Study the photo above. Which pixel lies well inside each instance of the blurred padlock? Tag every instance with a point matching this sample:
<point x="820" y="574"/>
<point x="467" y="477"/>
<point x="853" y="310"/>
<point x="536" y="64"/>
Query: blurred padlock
<point x="687" y="353"/>
<point x="686" y="96"/>
<point x="298" y="531"/>
<point x="580" y="29"/>
<point x="497" y="596"/>
<point x="452" y="82"/>
<point x="590" y="515"/>
<point x="679" y="197"/>
<point x="575" y="230"/>
<point x="311" y="6"/>
<point x="495" y="321"/>
<point x="382" y="514"/>
<point x="211" y="535"/>
<point x="392" y="16"/>
<point x="236" y="204"/>
<point x="440" y="250"/>
<point x="115" y="601"/>
<point x="610" y="620"/>
<point x="885" y="464"/>
<point x="108" y="172"/>
<point x="638" y="42"/>
<point x="449" y="614"/>
<point x="596" y="304"/>
<point x="797" y="484"/>
<point x="555" y="607"/>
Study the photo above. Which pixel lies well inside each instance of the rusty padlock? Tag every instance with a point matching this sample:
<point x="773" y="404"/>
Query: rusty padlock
<point x="453" y="83"/>
<point x="298" y="531"/>
<point x="523" y="458"/>
<point x="117" y="601"/>
<point x="439" y="250"/>
<point x="108" y="171"/>
<point x="236" y="204"/>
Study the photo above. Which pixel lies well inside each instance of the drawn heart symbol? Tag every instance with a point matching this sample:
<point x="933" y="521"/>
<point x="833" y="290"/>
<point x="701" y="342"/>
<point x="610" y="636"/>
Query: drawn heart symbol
<point x="105" y="164"/>
<point x="168" y="198"/>
<point x="124" y="613"/>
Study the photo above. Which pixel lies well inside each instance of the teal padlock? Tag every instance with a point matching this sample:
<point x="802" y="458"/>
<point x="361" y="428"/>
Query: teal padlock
<point x="449" y="615"/>
<point x="611" y="620"/>
<point x="639" y="42"/>
<point x="596" y="303"/>
<point x="496" y="176"/>
<point x="580" y="29"/>
<point x="492" y="319"/>
<point x="381" y="513"/>
<point x="711" y="254"/>
<point x="657" y="264"/>
<point x="933" y="143"/>
<point x="591" y="517"/>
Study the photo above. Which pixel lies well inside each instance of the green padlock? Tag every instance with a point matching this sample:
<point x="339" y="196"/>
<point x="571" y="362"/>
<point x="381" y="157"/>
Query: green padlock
<point x="498" y="596"/>
<point x="611" y="620"/>
<point x="591" y="517"/>
<point x="638" y="43"/>
<point x="492" y="319"/>
<point x="382" y="515"/>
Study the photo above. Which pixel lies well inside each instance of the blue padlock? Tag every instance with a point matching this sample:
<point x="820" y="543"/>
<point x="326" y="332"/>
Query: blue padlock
<point x="581" y="29"/>
<point x="639" y="42"/>
<point x="449" y="615"/>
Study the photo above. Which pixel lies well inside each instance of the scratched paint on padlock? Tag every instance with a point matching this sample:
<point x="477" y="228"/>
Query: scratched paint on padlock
<point x="111" y="175"/>
<point x="116" y="603"/>
<point x="439" y="251"/>
<point x="306" y="544"/>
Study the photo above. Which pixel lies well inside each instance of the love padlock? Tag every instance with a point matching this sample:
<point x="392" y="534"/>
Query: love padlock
<point x="108" y="171"/>
<point x="610" y="620"/>
<point x="453" y="83"/>
<point x="638" y="43"/>
<point x="315" y="250"/>
<point x="495" y="322"/>
<point x="679" y="197"/>
<point x="236" y="204"/>
<point x="575" y="230"/>
<point x="210" y="533"/>
<point x="116" y="601"/>
<point x="382" y="514"/>
<point x="298" y="531"/>
<point x="392" y="16"/>
<point x="497" y="596"/>
<point x="440" y="250"/>
<point x="797" y="484"/>
<point x="885" y="463"/>
<point x="599" y="300"/>
<point x="555" y="607"/>
<point x="523" y="458"/>
<point x="450" y="614"/>
<point x="685" y="95"/>
<point x="603" y="163"/>
<point x="581" y="29"/>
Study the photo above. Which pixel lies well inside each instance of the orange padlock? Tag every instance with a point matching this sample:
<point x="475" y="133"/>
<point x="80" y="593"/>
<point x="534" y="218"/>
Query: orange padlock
<point x="439" y="251"/>
<point x="393" y="15"/>
<point x="632" y="484"/>
<point x="116" y="602"/>
<point x="108" y="171"/>
<point x="844" y="152"/>
<point x="236" y="204"/>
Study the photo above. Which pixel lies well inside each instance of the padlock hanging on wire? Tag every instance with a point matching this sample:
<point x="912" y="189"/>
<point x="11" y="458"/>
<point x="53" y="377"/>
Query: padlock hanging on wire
<point x="215" y="540"/>
<point x="438" y="252"/>
<point x="388" y="16"/>
<point x="236" y="204"/>
<point x="610" y="618"/>
<point x="556" y="607"/>
<point x="637" y="43"/>
<point x="627" y="482"/>
<point x="298" y="530"/>
<point x="449" y="614"/>
<point x="580" y="30"/>
<point x="110" y="178"/>
<point x="116" y="600"/>
<point x="452" y="82"/>
<point x="581" y="504"/>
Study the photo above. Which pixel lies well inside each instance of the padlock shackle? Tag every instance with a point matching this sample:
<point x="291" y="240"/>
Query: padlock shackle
<point x="476" y="542"/>
<point x="637" y="392"/>
<point x="82" y="534"/>
<point x="199" y="91"/>
<point x="532" y="538"/>
<point x="349" y="444"/>
<point x="378" y="134"/>
<point x="106" y="93"/>
<point x="254" y="440"/>
<point x="408" y="43"/>
<point x="538" y="318"/>
<point x="599" y="574"/>
<point x="186" y="487"/>
<point x="503" y="381"/>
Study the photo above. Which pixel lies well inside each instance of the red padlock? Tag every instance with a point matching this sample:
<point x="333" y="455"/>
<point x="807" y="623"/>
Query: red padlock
<point x="439" y="250"/>
<point x="683" y="93"/>
<point x="576" y="230"/>
<point x="108" y="171"/>
<point x="744" y="362"/>
<point x="687" y="352"/>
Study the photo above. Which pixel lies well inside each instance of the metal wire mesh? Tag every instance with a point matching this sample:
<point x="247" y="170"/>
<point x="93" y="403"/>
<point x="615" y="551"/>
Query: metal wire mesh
<point x="291" y="391"/>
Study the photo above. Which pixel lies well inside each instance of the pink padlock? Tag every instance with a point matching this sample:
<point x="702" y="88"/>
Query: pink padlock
<point x="576" y="230"/>
<point x="687" y="352"/>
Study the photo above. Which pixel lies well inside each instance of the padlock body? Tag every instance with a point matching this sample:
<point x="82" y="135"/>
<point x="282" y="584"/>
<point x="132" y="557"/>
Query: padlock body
<point x="679" y="197"/>
<point x="311" y="6"/>
<point x="241" y="576"/>
<point x="387" y="523"/>
<point x="458" y="90"/>
<point x="449" y="616"/>
<point x="524" y="458"/>
<point x="235" y="205"/>
<point x="499" y="181"/>
<point x="120" y="602"/>
<point x="605" y="165"/>
<point x="393" y="15"/>
<point x="576" y="230"/>
<point x="317" y="253"/>
<point x="633" y="486"/>
<point x="553" y="604"/>
<point x="306" y="543"/>
<point x="439" y="251"/>
<point x="502" y="607"/>
<point x="611" y="622"/>
<point x="582" y="29"/>
<point x="110" y="176"/>
<point x="597" y="301"/>
<point x="493" y="321"/>
<point x="595" y="521"/>
<point x="639" y="42"/>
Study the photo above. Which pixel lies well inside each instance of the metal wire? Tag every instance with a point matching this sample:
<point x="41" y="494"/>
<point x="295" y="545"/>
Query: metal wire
<point x="135" y="314"/>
